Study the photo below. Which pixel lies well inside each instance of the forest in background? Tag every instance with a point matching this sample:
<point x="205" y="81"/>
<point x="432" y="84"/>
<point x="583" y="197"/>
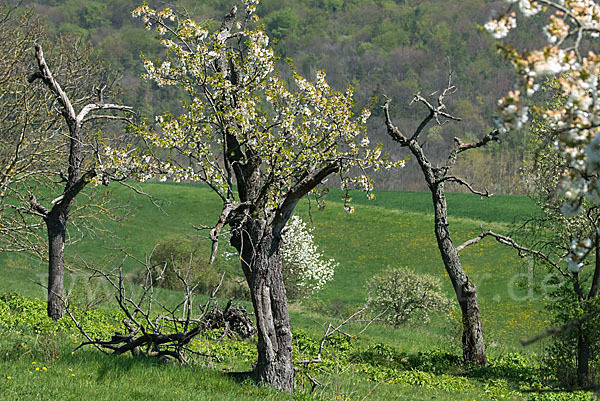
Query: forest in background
<point x="380" y="47"/>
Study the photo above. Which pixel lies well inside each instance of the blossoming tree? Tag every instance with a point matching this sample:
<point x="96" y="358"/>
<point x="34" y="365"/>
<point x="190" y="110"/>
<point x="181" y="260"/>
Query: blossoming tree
<point x="571" y="31"/>
<point x="261" y="146"/>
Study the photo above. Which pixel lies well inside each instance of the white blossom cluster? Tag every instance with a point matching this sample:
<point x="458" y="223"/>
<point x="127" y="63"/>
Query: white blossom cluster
<point x="305" y="261"/>
<point x="499" y="28"/>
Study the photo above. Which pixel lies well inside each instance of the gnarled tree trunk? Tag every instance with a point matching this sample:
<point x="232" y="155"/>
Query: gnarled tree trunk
<point x="56" y="227"/>
<point x="262" y="265"/>
<point x="466" y="293"/>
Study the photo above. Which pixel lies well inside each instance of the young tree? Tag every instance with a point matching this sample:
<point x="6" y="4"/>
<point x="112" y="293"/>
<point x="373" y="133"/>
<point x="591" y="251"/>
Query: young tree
<point x="436" y="177"/>
<point x="259" y="144"/>
<point x="399" y="295"/>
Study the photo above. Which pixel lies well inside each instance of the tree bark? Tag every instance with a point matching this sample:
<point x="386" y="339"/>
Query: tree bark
<point x="473" y="344"/>
<point x="262" y="266"/>
<point x="56" y="227"/>
<point x="583" y="360"/>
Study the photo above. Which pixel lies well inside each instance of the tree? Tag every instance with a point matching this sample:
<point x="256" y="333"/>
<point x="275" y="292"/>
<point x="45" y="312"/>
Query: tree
<point x="436" y="177"/>
<point x="80" y="172"/>
<point x="33" y="151"/>
<point x="259" y="145"/>
<point x="567" y="55"/>
<point x="573" y="123"/>
<point x="555" y="234"/>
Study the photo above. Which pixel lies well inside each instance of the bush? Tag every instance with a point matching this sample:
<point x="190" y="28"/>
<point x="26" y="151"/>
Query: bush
<point x="562" y="357"/>
<point x="305" y="271"/>
<point x="178" y="256"/>
<point x="401" y="295"/>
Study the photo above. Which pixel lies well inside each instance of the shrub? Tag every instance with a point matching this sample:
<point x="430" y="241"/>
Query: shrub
<point x="305" y="271"/>
<point x="562" y="356"/>
<point x="178" y="256"/>
<point x="401" y="295"/>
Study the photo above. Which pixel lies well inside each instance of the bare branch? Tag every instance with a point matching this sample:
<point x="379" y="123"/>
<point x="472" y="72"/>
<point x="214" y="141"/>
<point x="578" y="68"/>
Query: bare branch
<point x="46" y="76"/>
<point x="561" y="329"/>
<point x="523" y="251"/>
<point x="81" y="117"/>
<point x="466" y="184"/>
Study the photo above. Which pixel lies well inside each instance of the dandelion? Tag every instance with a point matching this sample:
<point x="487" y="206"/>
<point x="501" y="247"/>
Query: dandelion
<point x="8" y="377"/>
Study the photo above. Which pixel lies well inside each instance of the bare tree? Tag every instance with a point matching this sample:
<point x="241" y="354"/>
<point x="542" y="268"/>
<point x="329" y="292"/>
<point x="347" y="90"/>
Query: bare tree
<point x="436" y="178"/>
<point x="79" y="174"/>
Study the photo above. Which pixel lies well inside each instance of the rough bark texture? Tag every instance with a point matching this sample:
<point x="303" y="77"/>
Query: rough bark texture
<point x="583" y="361"/>
<point x="262" y="265"/>
<point x="56" y="227"/>
<point x="466" y="292"/>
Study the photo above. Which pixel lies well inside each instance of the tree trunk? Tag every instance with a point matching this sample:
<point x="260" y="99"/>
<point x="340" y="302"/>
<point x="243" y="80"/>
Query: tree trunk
<point x="56" y="225"/>
<point x="583" y="360"/>
<point x="262" y="266"/>
<point x="466" y="292"/>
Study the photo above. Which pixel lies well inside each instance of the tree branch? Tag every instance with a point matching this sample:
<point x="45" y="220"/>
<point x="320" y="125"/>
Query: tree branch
<point x="466" y="184"/>
<point x="81" y="117"/>
<point x="46" y="76"/>
<point x="523" y="251"/>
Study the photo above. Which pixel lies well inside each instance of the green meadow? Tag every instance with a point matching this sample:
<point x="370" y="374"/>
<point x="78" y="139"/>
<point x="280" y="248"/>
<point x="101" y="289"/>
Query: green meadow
<point x="396" y="229"/>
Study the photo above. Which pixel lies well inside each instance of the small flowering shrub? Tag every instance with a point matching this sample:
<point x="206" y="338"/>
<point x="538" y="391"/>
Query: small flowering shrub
<point x="400" y="295"/>
<point x="305" y="270"/>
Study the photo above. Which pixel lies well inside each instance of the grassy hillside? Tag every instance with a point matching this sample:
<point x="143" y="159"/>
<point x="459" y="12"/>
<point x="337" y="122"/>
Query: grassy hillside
<point x="413" y="362"/>
<point x="395" y="229"/>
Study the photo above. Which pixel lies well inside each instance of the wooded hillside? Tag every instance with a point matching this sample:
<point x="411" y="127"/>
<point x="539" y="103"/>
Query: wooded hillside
<point x="396" y="48"/>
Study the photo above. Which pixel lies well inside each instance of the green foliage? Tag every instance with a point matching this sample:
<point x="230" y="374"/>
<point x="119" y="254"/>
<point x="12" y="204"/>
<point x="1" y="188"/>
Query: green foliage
<point x="562" y="396"/>
<point x="28" y="315"/>
<point x="93" y="15"/>
<point x="563" y="351"/>
<point x="177" y="258"/>
<point x="401" y="295"/>
<point x="333" y="5"/>
<point x="282" y="23"/>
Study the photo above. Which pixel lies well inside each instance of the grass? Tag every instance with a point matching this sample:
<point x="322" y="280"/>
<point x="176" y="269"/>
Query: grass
<point x="395" y="229"/>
